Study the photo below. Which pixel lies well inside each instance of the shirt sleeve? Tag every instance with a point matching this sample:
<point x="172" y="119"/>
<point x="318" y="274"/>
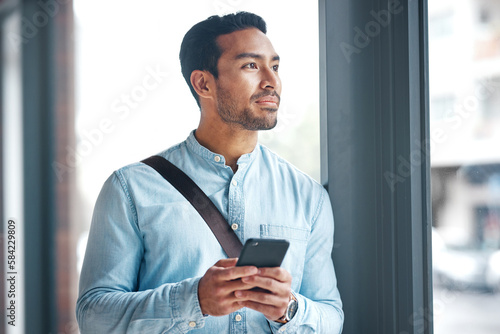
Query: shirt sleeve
<point x="319" y="303"/>
<point x="109" y="300"/>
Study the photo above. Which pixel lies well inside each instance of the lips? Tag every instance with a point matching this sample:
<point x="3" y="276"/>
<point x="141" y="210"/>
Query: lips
<point x="271" y="100"/>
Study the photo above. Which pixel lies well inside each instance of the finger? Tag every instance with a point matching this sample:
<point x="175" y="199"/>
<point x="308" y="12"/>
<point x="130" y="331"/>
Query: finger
<point x="270" y="312"/>
<point x="229" y="287"/>
<point x="261" y="297"/>
<point x="270" y="284"/>
<point x="277" y="273"/>
<point x="225" y="263"/>
<point x="234" y="273"/>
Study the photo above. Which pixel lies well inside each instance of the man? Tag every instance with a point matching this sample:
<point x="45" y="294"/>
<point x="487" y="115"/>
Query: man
<point x="149" y="265"/>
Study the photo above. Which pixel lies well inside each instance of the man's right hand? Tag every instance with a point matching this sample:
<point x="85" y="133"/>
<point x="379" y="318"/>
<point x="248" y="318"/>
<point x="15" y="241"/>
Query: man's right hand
<point x="216" y="288"/>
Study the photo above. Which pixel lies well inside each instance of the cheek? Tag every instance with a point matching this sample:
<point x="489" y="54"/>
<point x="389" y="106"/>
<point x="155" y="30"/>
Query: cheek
<point x="244" y="91"/>
<point x="278" y="88"/>
<point x="242" y="87"/>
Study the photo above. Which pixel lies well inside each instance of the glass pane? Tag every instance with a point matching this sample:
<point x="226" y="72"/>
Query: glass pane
<point x="464" y="60"/>
<point x="132" y="101"/>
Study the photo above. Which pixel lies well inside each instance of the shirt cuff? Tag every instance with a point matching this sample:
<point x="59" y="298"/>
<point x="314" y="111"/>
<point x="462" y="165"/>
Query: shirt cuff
<point x="186" y="307"/>
<point x="292" y="325"/>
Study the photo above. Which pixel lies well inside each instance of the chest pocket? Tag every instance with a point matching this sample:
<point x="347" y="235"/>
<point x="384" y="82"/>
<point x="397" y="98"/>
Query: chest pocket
<point x="295" y="256"/>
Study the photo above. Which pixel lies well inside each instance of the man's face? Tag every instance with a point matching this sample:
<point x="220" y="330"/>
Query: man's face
<point x="248" y="86"/>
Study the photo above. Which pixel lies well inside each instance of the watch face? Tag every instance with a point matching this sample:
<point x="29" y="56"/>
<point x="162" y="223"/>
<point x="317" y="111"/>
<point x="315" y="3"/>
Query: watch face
<point x="292" y="309"/>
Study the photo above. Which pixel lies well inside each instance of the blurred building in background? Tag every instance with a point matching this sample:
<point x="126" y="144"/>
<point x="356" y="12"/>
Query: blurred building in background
<point x="464" y="66"/>
<point x="464" y="44"/>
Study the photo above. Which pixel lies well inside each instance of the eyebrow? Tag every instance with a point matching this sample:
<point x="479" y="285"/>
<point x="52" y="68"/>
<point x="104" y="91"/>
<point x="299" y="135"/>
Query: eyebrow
<point x="254" y="55"/>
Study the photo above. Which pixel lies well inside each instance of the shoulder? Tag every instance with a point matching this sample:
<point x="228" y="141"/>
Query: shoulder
<point x="138" y="168"/>
<point x="292" y="184"/>
<point x="138" y="175"/>
<point x="290" y="177"/>
<point x="279" y="165"/>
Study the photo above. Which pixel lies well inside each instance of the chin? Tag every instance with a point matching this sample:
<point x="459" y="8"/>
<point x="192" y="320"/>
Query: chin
<point x="270" y="125"/>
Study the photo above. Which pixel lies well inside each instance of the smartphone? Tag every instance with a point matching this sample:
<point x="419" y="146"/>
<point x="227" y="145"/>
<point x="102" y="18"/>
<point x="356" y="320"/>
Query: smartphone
<point x="263" y="253"/>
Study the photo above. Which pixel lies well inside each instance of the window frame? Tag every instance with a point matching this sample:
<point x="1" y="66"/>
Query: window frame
<point x="376" y="162"/>
<point x="39" y="141"/>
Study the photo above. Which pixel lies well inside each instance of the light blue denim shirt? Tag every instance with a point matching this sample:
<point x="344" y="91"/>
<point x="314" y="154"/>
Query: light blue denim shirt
<point x="148" y="247"/>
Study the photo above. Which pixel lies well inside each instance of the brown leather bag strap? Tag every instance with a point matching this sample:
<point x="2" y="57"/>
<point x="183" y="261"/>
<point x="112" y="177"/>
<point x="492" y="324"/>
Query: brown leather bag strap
<point x="200" y="201"/>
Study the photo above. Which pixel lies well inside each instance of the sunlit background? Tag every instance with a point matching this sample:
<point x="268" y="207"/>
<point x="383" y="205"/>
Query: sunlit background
<point x="131" y="100"/>
<point x="115" y="57"/>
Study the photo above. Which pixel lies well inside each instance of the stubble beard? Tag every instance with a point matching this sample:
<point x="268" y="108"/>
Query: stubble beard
<point x="229" y="113"/>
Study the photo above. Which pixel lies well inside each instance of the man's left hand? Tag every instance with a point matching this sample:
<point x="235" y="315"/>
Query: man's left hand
<point x="273" y="302"/>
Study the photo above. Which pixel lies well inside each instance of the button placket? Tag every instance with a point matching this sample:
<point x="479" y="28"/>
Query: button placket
<point x="238" y="322"/>
<point x="236" y="205"/>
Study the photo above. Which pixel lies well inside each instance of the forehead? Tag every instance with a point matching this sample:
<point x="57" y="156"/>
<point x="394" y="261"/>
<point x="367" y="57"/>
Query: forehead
<point x="250" y="40"/>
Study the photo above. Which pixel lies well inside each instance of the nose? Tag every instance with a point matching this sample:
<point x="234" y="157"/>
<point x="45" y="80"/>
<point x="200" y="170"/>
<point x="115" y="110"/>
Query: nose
<point x="270" y="79"/>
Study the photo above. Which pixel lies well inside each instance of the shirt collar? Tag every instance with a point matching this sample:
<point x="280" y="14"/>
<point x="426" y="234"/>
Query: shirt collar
<point x="196" y="147"/>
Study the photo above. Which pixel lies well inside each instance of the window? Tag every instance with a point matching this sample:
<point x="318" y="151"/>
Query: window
<point x="441" y="25"/>
<point x="465" y="163"/>
<point x="490" y="104"/>
<point x="442" y="107"/>
<point x="484" y="16"/>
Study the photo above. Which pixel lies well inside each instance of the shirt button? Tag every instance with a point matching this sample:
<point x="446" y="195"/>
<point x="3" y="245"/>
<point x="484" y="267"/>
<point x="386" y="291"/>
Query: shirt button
<point x="234" y="183"/>
<point x="192" y="324"/>
<point x="234" y="226"/>
<point x="217" y="158"/>
<point x="238" y="317"/>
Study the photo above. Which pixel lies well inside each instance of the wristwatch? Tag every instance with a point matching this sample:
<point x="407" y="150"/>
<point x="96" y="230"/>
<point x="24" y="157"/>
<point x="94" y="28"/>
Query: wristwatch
<point x="290" y="310"/>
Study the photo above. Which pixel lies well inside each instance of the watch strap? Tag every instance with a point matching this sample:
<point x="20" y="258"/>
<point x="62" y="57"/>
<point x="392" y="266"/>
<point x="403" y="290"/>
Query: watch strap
<point x="284" y="319"/>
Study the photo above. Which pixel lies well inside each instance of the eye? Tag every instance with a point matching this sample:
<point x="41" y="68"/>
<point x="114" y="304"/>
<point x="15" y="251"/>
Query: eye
<point x="252" y="66"/>
<point x="275" y="68"/>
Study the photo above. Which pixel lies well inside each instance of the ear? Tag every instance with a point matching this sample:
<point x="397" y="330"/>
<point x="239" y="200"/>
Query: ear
<point x="202" y="82"/>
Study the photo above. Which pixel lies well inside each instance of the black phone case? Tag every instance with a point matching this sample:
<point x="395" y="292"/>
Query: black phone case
<point x="263" y="253"/>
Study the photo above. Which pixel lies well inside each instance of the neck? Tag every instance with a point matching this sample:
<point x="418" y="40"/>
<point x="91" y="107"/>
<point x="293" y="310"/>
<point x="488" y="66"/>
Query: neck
<point x="228" y="141"/>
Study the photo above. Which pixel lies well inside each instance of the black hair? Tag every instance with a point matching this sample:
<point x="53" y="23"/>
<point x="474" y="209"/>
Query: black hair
<point x="199" y="48"/>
